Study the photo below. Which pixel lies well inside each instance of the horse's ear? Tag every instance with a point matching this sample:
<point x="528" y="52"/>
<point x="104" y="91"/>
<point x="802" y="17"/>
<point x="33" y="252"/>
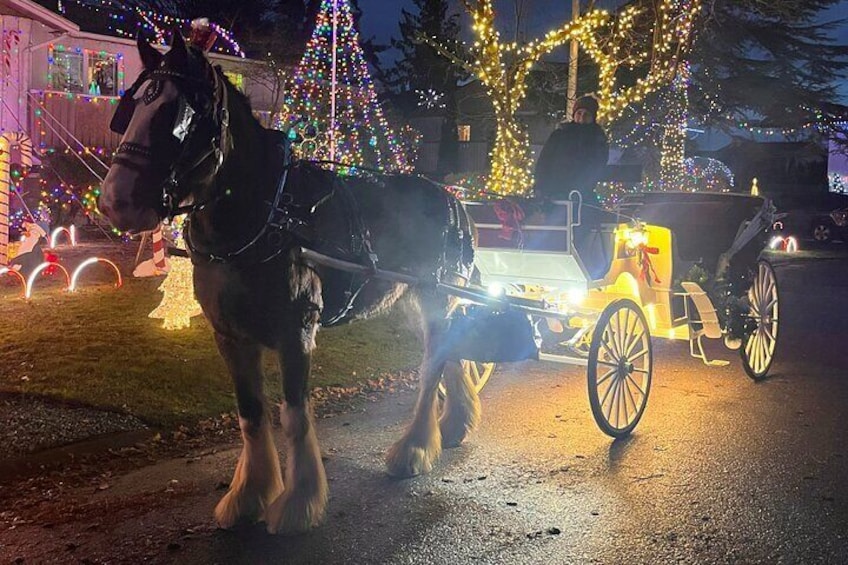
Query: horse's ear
<point x="150" y="57"/>
<point x="178" y="53"/>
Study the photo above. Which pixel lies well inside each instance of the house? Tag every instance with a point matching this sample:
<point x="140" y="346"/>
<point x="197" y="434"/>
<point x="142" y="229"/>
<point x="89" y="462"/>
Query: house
<point x="476" y="129"/>
<point x="59" y="85"/>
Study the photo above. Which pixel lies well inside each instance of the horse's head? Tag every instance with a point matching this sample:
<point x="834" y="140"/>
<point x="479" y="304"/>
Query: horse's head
<point x="174" y="124"/>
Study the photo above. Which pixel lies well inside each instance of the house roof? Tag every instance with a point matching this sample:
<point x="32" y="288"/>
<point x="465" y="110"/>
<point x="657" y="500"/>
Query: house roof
<point x="33" y="11"/>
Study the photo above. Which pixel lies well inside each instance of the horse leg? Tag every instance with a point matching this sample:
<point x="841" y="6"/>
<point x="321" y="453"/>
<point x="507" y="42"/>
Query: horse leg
<point x="461" y="413"/>
<point x="303" y="504"/>
<point x="421" y="444"/>
<point x="257" y="480"/>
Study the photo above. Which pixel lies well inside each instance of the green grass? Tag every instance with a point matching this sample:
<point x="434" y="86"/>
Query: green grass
<point x="98" y="347"/>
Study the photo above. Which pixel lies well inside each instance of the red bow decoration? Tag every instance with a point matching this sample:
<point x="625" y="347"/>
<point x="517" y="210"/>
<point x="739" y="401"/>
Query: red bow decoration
<point x="510" y="215"/>
<point x="647" y="273"/>
<point x="53" y="259"/>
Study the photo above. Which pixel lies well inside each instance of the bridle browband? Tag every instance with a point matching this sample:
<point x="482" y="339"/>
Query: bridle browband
<point x="185" y="127"/>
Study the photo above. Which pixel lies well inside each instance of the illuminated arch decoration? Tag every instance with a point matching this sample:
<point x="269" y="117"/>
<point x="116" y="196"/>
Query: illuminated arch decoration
<point x="703" y="174"/>
<point x="17" y="275"/>
<point x="35" y="272"/>
<point x="788" y="244"/>
<point x="72" y="286"/>
<point x="72" y="236"/>
<point x="23" y="143"/>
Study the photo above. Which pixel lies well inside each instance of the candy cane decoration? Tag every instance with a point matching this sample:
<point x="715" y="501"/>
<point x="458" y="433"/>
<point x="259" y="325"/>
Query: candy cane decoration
<point x="159" y="250"/>
<point x="11" y="38"/>
<point x="5" y="186"/>
<point x="24" y="143"/>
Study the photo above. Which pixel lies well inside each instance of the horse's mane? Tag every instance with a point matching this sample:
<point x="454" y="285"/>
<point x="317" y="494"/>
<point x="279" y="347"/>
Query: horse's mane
<point x="238" y="100"/>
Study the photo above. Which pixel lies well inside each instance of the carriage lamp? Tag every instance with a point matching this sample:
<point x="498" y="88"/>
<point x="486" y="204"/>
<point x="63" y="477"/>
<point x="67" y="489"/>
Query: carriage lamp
<point x="576" y="296"/>
<point x="496" y="290"/>
<point x="634" y="238"/>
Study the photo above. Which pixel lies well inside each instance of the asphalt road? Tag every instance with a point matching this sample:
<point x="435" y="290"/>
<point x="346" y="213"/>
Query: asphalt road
<point x="719" y="470"/>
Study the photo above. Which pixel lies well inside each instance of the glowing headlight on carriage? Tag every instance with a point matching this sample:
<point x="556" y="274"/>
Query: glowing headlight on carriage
<point x="635" y="238"/>
<point x="496" y="290"/>
<point x="575" y="296"/>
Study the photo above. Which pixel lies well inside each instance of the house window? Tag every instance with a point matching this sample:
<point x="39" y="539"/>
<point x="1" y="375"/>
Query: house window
<point x="237" y="79"/>
<point x="102" y="74"/>
<point x="463" y="132"/>
<point x="66" y="71"/>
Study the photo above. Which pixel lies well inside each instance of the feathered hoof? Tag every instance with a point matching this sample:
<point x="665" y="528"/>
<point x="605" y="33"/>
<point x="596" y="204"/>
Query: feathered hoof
<point x="294" y="513"/>
<point x="237" y="508"/>
<point x="405" y="459"/>
<point x="457" y="424"/>
<point x="453" y="433"/>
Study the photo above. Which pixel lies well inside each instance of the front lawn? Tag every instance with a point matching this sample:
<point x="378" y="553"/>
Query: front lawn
<point x="98" y="347"/>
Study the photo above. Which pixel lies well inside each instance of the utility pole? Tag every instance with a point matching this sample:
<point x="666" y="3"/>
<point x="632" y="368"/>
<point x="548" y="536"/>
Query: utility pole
<point x="572" y="66"/>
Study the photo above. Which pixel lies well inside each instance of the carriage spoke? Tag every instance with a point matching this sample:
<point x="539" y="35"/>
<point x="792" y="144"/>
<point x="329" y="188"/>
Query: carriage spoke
<point x="605" y="377"/>
<point x="621" y="392"/>
<point x="637" y="337"/>
<point x="639" y="388"/>
<point x="768" y="333"/>
<point x="636" y="356"/>
<point x="642" y="371"/>
<point x="615" y="329"/>
<point x="628" y="333"/>
<point x="607" y="393"/>
<point x="606" y="346"/>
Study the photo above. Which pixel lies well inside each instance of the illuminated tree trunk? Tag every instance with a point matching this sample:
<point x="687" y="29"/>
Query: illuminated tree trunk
<point x="512" y="160"/>
<point x="673" y="142"/>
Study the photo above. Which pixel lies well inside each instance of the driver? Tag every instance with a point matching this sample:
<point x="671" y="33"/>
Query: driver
<point x="574" y="158"/>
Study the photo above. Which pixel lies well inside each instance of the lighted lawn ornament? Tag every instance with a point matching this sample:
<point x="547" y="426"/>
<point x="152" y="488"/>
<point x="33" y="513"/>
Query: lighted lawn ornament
<point x="159" y="264"/>
<point x="30" y="253"/>
<point x="781" y="242"/>
<point x="178" y="305"/>
<point x="70" y="234"/>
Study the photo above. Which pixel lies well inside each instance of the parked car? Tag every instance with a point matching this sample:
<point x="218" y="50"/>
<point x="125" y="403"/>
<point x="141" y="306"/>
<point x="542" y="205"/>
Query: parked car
<point x="821" y="217"/>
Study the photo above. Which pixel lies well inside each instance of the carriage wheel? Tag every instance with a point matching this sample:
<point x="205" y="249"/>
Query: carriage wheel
<point x="620" y="367"/>
<point x="758" y="348"/>
<point x="480" y="373"/>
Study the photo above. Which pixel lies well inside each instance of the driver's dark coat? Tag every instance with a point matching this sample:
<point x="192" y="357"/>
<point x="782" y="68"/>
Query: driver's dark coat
<point x="573" y="158"/>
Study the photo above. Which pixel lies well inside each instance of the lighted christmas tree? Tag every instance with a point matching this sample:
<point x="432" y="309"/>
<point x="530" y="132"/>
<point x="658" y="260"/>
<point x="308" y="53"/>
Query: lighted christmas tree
<point x="360" y="134"/>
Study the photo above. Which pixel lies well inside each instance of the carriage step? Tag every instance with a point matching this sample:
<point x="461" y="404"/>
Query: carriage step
<point x="705" y="326"/>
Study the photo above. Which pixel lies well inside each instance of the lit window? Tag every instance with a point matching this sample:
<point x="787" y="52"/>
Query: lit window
<point x="237" y="79"/>
<point x="102" y="74"/>
<point x="463" y="132"/>
<point x="66" y="71"/>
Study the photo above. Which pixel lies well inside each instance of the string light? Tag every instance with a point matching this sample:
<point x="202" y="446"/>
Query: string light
<point x="362" y="134"/>
<point x="503" y="67"/>
<point x="126" y="21"/>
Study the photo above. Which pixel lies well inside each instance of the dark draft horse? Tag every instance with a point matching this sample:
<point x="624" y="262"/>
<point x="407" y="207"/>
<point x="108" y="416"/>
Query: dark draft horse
<point x="192" y="145"/>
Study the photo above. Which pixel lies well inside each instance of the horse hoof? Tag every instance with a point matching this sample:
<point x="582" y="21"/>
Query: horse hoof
<point x="294" y="514"/>
<point x="456" y="425"/>
<point x="235" y="509"/>
<point x="403" y="461"/>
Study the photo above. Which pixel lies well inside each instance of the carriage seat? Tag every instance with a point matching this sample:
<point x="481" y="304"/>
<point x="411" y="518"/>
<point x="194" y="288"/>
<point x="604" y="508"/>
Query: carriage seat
<point x="532" y="224"/>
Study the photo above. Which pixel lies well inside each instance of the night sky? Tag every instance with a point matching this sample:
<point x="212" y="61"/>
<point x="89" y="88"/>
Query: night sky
<point x="380" y="18"/>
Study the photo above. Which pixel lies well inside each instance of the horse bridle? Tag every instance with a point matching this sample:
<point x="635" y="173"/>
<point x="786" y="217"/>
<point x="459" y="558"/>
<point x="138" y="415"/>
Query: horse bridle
<point x="185" y="126"/>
